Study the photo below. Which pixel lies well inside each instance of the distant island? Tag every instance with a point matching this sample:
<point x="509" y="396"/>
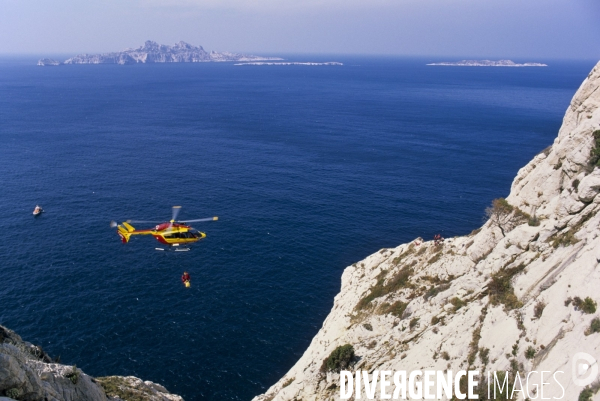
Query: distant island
<point x="152" y="52"/>
<point x="487" y="63"/>
<point x="291" y="63"/>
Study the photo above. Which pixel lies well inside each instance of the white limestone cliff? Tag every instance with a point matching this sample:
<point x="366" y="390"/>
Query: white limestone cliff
<point x="437" y="307"/>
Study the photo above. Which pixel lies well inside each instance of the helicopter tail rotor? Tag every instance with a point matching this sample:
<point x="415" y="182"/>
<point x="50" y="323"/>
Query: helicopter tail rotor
<point x="124" y="230"/>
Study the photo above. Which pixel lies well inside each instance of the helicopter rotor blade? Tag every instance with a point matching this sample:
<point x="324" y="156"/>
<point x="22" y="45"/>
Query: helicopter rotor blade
<point x="198" y="220"/>
<point x="176" y="210"/>
<point x="113" y="224"/>
<point x="143" y="221"/>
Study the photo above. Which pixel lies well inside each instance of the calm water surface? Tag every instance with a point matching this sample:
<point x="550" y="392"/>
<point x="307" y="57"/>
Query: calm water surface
<point x="309" y="169"/>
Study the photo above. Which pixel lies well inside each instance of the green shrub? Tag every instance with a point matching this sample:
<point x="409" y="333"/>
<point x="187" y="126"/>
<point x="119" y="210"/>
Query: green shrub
<point x="514" y="365"/>
<point x="115" y="386"/>
<point x="595" y="151"/>
<point x="539" y="309"/>
<point x="501" y="290"/>
<point x="435" y="320"/>
<point x="564" y="239"/>
<point x="381" y="288"/>
<point x="458" y="303"/>
<point x="589" y="391"/>
<point x="445" y="355"/>
<point x="339" y="359"/>
<point x="533" y="221"/>
<point x="586" y="394"/>
<point x="504" y="215"/>
<point x="433" y="291"/>
<point x="575" y="184"/>
<point x="473" y="345"/>
<point x="588" y="305"/>
<point x="14" y="393"/>
<point x="594" y="327"/>
<point x="396" y="309"/>
<point x="501" y="392"/>
<point x="529" y="352"/>
<point x="484" y="355"/>
<point x="413" y="322"/>
<point x="73" y="375"/>
<point x="368" y="326"/>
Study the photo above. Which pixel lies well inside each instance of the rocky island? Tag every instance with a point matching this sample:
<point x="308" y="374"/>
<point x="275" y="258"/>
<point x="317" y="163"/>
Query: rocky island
<point x="487" y="63"/>
<point x="311" y="63"/>
<point x="517" y="295"/>
<point x="48" y="62"/>
<point x="152" y="52"/>
<point x="27" y="373"/>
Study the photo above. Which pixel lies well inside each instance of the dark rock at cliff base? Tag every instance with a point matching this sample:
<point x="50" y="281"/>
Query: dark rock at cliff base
<point x="27" y="373"/>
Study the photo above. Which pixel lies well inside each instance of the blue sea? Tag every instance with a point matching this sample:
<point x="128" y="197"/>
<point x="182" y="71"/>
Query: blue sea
<point x="309" y="168"/>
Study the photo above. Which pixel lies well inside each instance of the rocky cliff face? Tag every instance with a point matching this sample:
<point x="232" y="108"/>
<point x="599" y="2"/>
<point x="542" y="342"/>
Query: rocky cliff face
<point x="152" y="52"/>
<point x="520" y="302"/>
<point x="27" y="373"/>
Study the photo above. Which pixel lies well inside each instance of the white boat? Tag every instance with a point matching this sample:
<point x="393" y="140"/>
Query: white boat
<point x="37" y="211"/>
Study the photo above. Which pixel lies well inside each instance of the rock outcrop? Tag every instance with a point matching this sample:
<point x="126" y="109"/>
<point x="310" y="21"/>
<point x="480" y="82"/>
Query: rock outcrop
<point x="27" y="373"/>
<point x="152" y="52"/>
<point x="520" y="302"/>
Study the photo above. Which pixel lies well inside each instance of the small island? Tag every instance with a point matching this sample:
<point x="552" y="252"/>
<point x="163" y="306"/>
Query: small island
<point x="487" y="63"/>
<point x="152" y="52"/>
<point x="292" y="63"/>
<point x="48" y="62"/>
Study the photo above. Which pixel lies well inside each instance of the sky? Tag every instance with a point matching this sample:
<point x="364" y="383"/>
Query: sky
<point x="528" y="30"/>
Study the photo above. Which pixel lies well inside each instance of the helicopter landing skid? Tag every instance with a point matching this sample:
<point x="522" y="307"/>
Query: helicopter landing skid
<point x="173" y="249"/>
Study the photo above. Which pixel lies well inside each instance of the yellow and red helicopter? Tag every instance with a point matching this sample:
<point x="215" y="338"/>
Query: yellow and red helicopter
<point x="173" y="233"/>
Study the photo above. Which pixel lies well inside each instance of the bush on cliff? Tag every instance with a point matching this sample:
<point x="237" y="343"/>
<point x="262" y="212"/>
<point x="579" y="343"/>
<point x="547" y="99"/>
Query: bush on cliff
<point x="530" y="352"/>
<point x="587" y="305"/>
<point x="501" y="290"/>
<point x="339" y="359"/>
<point x="588" y="393"/>
<point x="73" y="374"/>
<point x="398" y="281"/>
<point x="594" y="327"/>
<point x="505" y="216"/>
<point x="115" y="386"/>
<point x="595" y="151"/>
<point x="14" y="393"/>
<point x="396" y="309"/>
